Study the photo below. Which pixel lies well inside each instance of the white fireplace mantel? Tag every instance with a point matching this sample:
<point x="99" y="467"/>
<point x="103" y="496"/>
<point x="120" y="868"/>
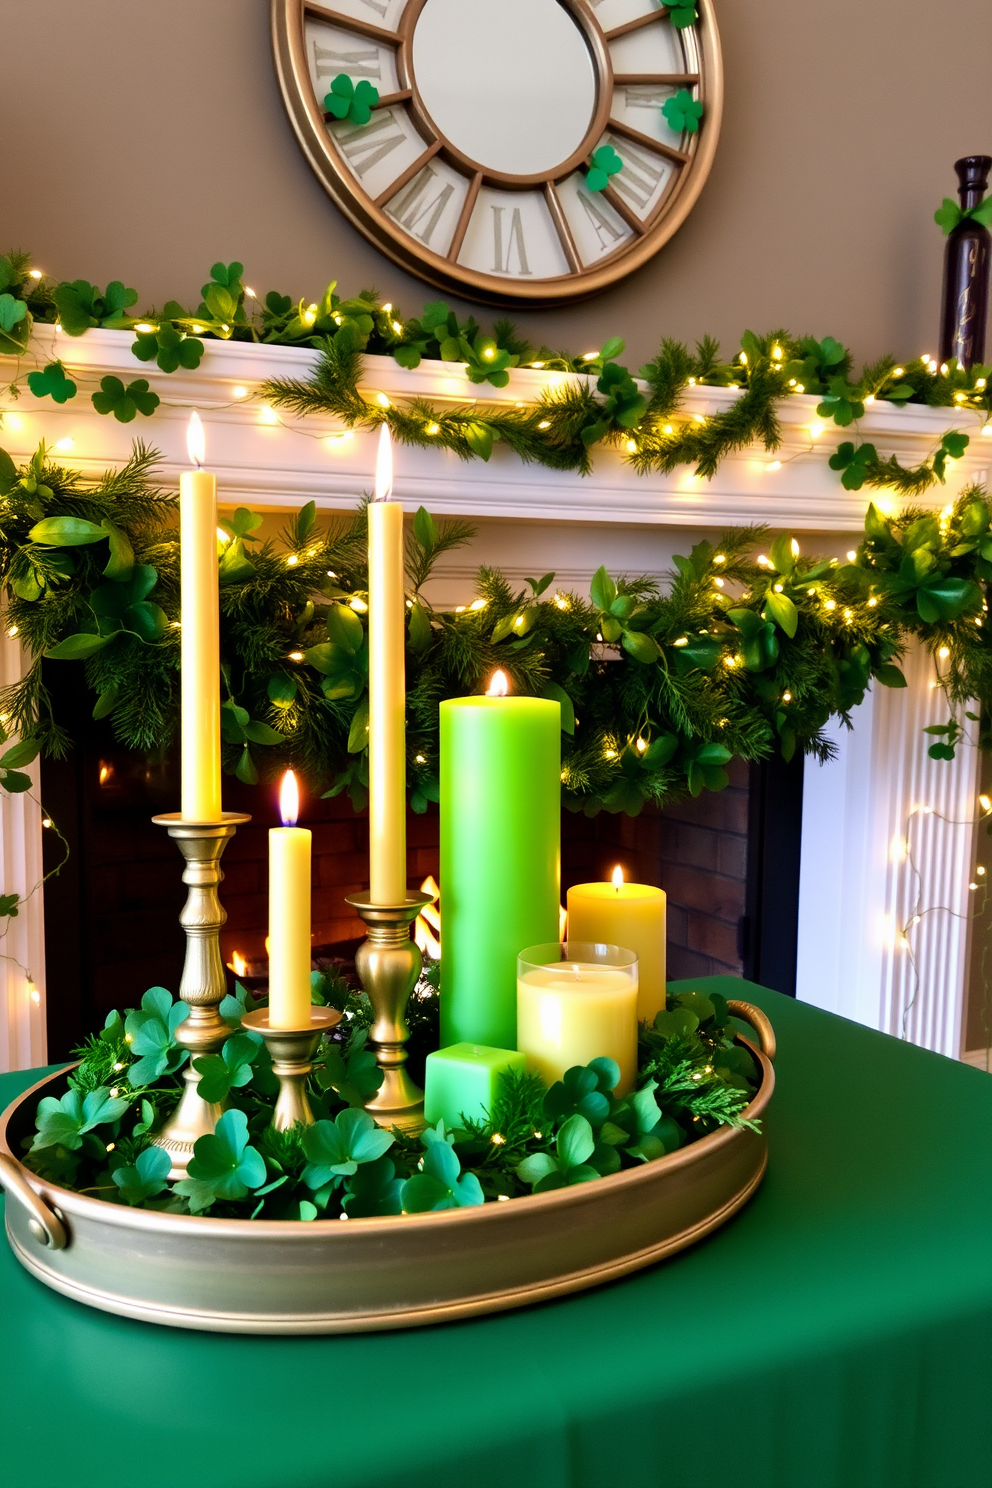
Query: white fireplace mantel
<point x="849" y="960"/>
<point x="268" y="460"/>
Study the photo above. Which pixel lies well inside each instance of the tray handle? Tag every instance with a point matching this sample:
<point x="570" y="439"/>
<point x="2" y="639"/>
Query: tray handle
<point x="45" y="1226"/>
<point x="750" y="1014"/>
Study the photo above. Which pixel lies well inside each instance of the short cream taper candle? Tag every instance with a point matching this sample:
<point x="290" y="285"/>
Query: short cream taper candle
<point x="289" y="914"/>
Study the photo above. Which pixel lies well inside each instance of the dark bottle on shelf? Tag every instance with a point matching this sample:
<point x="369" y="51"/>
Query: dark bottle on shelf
<point x="966" y="271"/>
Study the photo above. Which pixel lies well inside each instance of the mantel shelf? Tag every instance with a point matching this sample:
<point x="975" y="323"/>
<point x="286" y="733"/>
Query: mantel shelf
<point x="281" y="465"/>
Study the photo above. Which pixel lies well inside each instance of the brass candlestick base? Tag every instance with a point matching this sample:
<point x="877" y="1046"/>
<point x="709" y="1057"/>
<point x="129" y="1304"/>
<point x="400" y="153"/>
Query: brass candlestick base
<point x="292" y="1050"/>
<point x="203" y="983"/>
<point x="389" y="963"/>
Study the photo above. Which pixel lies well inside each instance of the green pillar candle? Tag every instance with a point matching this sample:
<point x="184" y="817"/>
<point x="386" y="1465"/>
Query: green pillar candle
<point x="500" y="856"/>
<point x="462" y="1081"/>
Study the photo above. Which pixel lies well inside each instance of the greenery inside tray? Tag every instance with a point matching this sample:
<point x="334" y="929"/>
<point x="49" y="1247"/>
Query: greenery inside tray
<point x="97" y="1138"/>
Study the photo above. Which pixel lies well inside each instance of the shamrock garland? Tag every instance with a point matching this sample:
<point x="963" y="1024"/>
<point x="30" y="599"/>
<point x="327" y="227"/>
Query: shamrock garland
<point x="559" y="430"/>
<point x="693" y="1078"/>
<point x="350" y="100"/>
<point x="605" y="163"/>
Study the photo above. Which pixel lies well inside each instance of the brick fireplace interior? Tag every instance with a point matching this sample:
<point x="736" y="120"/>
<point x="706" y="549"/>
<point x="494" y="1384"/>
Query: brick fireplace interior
<point x="728" y="862"/>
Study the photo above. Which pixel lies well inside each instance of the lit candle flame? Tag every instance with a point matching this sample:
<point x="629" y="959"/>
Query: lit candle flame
<point x="384" y="465"/>
<point x="618" y="878"/>
<point x="499" y="686"/>
<point x="196" y="442"/>
<point x="289" y="800"/>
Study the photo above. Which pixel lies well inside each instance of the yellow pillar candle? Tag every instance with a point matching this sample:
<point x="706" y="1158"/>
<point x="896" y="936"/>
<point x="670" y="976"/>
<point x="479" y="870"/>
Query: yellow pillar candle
<point x="289" y="915"/>
<point x="200" y="636"/>
<point x="631" y="915"/>
<point x="576" y="1003"/>
<point x="387" y="689"/>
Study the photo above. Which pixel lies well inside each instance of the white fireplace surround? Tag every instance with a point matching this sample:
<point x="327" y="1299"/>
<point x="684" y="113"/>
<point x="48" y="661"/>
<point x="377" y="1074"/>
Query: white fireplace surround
<point x="855" y="886"/>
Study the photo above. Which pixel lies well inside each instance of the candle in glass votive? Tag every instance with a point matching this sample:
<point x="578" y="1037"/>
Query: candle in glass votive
<point x="289" y="914"/>
<point x="577" y="1002"/>
<point x="631" y="915"/>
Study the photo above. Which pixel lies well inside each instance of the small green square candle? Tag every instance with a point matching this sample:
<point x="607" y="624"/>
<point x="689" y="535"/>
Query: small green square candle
<point x="462" y="1081"/>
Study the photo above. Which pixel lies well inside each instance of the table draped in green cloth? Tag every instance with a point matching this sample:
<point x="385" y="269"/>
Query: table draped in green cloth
<point x="836" y="1334"/>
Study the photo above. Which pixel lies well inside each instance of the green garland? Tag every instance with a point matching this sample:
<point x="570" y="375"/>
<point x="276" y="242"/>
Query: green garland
<point x="96" y="1138"/>
<point x="742" y="656"/>
<point x="603" y="405"/>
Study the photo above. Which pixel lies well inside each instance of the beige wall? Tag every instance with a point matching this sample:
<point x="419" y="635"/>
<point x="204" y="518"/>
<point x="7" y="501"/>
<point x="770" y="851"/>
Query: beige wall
<point x="146" y="138"/>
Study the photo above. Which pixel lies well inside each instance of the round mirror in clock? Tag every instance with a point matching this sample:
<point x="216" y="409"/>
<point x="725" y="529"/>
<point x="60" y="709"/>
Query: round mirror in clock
<point x="510" y="150"/>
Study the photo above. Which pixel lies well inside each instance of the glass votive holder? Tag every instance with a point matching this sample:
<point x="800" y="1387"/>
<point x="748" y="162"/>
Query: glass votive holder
<point x="577" y="1001"/>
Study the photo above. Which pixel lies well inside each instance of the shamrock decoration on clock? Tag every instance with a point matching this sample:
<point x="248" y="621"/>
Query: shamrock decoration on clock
<point x="511" y="150"/>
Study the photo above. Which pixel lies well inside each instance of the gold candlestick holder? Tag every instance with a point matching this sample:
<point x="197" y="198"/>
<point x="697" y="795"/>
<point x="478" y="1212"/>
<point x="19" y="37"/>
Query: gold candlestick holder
<point x="203" y="983"/>
<point x="388" y="963"/>
<point x="292" y="1051"/>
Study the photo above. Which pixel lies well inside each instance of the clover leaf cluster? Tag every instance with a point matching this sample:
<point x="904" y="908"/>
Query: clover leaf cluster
<point x="98" y="1137"/>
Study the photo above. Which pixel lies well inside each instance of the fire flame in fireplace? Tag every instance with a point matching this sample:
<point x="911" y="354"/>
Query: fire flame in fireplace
<point x="238" y="964"/>
<point x="429" y="921"/>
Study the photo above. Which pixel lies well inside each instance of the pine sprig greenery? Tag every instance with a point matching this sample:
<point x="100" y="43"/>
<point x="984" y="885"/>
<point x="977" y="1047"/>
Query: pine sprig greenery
<point x="743" y="654"/>
<point x="597" y="401"/>
<point x="694" y="1077"/>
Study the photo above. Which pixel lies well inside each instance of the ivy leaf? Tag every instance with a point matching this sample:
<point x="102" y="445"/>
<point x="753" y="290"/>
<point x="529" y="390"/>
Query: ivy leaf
<point x="146" y="1178"/>
<point x="843" y="403"/>
<point x="8" y="906"/>
<point x="605" y="163"/>
<point x="245" y="768"/>
<point x="223" y="1166"/>
<point x="52" y="383"/>
<point x="125" y="403"/>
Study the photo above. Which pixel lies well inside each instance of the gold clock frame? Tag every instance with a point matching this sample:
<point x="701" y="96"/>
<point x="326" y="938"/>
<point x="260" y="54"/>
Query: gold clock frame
<point x="368" y="215"/>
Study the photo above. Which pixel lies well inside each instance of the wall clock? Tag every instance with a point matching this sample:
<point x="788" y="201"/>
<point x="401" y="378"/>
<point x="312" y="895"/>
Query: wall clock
<point x="473" y="167"/>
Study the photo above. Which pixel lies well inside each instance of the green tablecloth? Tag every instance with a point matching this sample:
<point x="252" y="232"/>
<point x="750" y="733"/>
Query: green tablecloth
<point x="836" y="1334"/>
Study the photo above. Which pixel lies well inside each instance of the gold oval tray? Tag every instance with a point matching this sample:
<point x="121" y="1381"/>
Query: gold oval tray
<point x="329" y="1276"/>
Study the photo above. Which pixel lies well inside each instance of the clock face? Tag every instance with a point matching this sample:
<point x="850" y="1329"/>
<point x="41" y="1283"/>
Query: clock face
<point x="516" y="150"/>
